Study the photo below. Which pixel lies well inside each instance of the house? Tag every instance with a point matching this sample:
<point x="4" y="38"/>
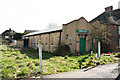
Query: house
<point x="8" y="35"/>
<point x="76" y="34"/>
<point x="29" y="31"/>
<point x="110" y="18"/>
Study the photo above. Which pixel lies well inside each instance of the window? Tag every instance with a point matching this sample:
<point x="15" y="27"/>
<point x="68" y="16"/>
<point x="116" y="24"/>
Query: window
<point x="119" y="43"/>
<point x="12" y="36"/>
<point x="7" y="37"/>
<point x="46" y="41"/>
<point x="119" y="30"/>
<point x="70" y="40"/>
<point x="67" y="36"/>
<point x="52" y="41"/>
<point x="42" y="41"/>
<point x="104" y="36"/>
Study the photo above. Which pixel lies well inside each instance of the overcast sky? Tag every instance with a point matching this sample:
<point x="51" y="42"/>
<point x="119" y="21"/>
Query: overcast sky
<point x="37" y="14"/>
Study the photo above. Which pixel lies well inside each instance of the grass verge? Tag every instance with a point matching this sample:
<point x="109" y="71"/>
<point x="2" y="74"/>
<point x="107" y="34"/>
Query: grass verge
<point x="24" y="63"/>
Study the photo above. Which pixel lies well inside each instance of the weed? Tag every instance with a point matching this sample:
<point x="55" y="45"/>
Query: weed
<point x="21" y="63"/>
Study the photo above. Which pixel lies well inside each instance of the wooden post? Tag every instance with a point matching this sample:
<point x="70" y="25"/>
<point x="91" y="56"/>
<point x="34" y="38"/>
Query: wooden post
<point x="40" y="54"/>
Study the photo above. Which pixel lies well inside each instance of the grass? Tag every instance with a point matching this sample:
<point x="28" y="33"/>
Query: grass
<point x="24" y="63"/>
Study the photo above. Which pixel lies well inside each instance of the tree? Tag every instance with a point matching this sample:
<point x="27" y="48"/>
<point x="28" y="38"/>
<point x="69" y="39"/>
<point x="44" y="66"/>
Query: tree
<point x="52" y="26"/>
<point x="18" y="36"/>
<point x="102" y="31"/>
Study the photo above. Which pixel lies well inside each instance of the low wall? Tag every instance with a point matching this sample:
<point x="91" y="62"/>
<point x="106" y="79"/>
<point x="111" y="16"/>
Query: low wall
<point x="18" y="43"/>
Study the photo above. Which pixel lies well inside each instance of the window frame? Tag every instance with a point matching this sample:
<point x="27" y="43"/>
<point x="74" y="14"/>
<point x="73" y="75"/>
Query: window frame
<point x="7" y="37"/>
<point x="119" y="30"/>
<point x="51" y="40"/>
<point x="46" y="40"/>
<point x="66" y="36"/>
<point x="119" y="42"/>
<point x="70" y="43"/>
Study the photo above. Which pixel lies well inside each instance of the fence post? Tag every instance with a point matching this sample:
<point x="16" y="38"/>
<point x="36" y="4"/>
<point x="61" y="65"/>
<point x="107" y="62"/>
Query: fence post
<point x="99" y="50"/>
<point x="40" y="54"/>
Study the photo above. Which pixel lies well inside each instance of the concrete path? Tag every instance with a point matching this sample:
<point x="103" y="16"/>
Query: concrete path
<point x="101" y="71"/>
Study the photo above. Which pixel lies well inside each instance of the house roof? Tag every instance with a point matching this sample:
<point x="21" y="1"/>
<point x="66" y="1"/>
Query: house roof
<point x="113" y="18"/>
<point x="76" y="20"/>
<point x="9" y="32"/>
<point x="44" y="31"/>
<point x="29" y="31"/>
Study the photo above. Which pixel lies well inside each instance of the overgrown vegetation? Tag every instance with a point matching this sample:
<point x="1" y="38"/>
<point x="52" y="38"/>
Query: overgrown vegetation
<point x="24" y="63"/>
<point x="102" y="31"/>
<point x="62" y="50"/>
<point x="18" y="36"/>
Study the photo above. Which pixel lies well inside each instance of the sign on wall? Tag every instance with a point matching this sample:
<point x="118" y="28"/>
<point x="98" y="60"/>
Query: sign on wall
<point x="82" y="31"/>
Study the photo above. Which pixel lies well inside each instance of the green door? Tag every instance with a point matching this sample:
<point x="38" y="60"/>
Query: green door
<point x="82" y="45"/>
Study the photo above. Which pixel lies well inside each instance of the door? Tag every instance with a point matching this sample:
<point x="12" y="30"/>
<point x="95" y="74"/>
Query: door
<point x="26" y="42"/>
<point x="82" y="44"/>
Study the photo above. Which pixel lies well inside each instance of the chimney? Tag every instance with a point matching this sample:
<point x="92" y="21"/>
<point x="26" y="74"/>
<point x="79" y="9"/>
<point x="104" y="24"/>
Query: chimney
<point x="10" y="29"/>
<point x="109" y="9"/>
<point x="119" y="5"/>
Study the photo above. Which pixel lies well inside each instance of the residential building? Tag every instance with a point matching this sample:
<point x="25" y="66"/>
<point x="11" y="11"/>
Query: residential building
<point x="110" y="18"/>
<point x="8" y="35"/>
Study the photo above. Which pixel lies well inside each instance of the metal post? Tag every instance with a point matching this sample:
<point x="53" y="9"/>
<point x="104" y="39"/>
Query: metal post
<point x="40" y="54"/>
<point x="91" y="52"/>
<point x="92" y="45"/>
<point x="99" y="50"/>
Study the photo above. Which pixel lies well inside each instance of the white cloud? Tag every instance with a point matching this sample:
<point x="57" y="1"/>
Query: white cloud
<point x="37" y="14"/>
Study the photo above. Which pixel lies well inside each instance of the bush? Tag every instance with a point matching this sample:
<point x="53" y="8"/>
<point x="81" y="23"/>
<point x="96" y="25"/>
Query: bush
<point x="62" y="50"/>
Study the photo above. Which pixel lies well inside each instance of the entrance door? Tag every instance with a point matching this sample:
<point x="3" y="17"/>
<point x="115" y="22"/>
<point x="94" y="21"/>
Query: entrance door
<point x="26" y="42"/>
<point x="82" y="44"/>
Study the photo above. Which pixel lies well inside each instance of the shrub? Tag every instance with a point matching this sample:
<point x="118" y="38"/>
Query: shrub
<point x="62" y="50"/>
<point x="24" y="72"/>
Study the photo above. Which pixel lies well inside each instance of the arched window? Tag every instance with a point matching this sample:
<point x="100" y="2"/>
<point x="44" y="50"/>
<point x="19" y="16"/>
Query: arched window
<point x="67" y="36"/>
<point x="70" y="40"/>
<point x="46" y="40"/>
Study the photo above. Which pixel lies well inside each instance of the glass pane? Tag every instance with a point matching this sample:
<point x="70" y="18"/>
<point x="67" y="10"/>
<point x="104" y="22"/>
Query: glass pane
<point x="119" y="29"/>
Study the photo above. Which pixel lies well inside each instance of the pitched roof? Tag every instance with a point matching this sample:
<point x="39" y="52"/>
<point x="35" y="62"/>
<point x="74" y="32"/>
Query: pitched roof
<point x="29" y="31"/>
<point x="44" y="31"/>
<point x="113" y="18"/>
<point x="76" y="20"/>
<point x="9" y="32"/>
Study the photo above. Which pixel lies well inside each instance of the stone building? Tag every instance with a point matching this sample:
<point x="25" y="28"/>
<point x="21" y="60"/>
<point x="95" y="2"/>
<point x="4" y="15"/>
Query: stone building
<point x="110" y="18"/>
<point x="76" y="34"/>
<point x="50" y="39"/>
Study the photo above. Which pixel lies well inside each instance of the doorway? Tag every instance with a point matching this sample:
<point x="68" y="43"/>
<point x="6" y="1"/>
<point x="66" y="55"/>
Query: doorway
<point x="82" y="44"/>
